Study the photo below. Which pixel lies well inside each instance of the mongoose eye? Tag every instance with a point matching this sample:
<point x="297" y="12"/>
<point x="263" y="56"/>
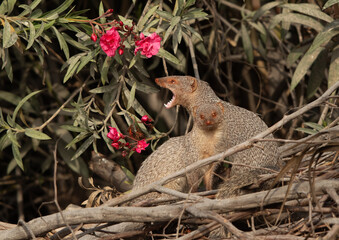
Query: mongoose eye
<point x="172" y="81"/>
<point x="214" y="114"/>
<point x="202" y="116"/>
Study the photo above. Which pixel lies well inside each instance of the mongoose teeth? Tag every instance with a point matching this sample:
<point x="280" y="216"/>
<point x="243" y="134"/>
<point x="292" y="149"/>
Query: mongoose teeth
<point x="170" y="103"/>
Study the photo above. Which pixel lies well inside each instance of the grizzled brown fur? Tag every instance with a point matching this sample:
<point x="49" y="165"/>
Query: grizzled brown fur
<point x="179" y="152"/>
<point x="237" y="126"/>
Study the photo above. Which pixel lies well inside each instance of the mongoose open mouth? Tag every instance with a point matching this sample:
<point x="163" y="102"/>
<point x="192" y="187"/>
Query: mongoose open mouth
<point x="170" y="103"/>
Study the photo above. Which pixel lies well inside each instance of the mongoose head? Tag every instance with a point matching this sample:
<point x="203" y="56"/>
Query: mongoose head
<point x="208" y="116"/>
<point x="180" y="86"/>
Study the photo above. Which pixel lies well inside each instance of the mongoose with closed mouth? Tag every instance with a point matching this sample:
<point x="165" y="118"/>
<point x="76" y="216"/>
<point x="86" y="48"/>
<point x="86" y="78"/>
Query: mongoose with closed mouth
<point x="179" y="152"/>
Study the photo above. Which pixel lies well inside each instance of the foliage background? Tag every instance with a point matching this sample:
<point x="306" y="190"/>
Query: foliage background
<point x="59" y="92"/>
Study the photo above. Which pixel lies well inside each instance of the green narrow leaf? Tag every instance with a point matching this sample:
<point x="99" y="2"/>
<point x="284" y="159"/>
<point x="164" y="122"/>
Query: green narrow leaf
<point x="268" y="6"/>
<point x="163" y="53"/>
<point x="41" y="29"/>
<point x="164" y="14"/>
<point x="175" y="40"/>
<point x="104" y="70"/>
<point x="9" y="97"/>
<point x="311" y="55"/>
<point x="74" y="43"/>
<point x="307" y="130"/>
<point x="78" y="138"/>
<point x="104" y="89"/>
<point x="8" y="65"/>
<point x="259" y="27"/>
<point x="101" y="9"/>
<point x="101" y="12"/>
<point x="195" y="33"/>
<point x="313" y="125"/>
<point x="131" y="96"/>
<point x="194" y="14"/>
<point x="246" y="41"/>
<point x="30" y="132"/>
<point x="146" y="17"/>
<point x="189" y="3"/>
<point x="303" y="66"/>
<point x="151" y="24"/>
<point x="333" y="75"/>
<point x="3" y="123"/>
<point x="73" y="128"/>
<point x="9" y="35"/>
<point x="298" y="19"/>
<point x="73" y="65"/>
<point x="4" y="142"/>
<point x="31" y="35"/>
<point x="308" y="9"/>
<point x="22" y="103"/>
<point x="17" y="156"/>
<point x="133" y="61"/>
<point x="83" y="147"/>
<point x="86" y="59"/>
<point x="317" y="73"/>
<point x="12" y="137"/>
<point x="62" y="42"/>
<point x="174" y="21"/>
<point x="33" y="5"/>
<point x="7" y="6"/>
<point x="295" y="54"/>
<point x="330" y="3"/>
<point x="59" y="9"/>
<point x="78" y="165"/>
<point x="136" y="105"/>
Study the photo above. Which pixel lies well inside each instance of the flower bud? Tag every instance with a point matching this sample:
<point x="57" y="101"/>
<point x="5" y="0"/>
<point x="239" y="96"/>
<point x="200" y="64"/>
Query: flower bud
<point x="110" y="10"/>
<point x="124" y="153"/>
<point x="94" y="37"/>
<point x="145" y="119"/>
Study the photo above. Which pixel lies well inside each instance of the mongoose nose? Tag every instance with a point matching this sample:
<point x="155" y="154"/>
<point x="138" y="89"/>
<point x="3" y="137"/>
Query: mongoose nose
<point x="208" y="122"/>
<point x="157" y="80"/>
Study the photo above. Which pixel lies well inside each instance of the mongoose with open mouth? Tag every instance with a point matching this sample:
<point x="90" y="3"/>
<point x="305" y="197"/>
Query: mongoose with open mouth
<point x="238" y="125"/>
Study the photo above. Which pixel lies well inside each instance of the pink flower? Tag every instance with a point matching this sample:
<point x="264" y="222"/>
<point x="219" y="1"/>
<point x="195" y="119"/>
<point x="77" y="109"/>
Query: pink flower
<point x="114" y="135"/>
<point x="141" y="146"/>
<point x="145" y="119"/>
<point x="110" y="42"/>
<point x="149" y="46"/>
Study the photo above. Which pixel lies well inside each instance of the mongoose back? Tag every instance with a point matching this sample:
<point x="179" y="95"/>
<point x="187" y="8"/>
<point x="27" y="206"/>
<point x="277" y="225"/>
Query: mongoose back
<point x="179" y="152"/>
<point x="237" y="126"/>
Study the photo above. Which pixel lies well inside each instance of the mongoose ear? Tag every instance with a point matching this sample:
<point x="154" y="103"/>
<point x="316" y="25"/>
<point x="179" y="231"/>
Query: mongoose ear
<point x="221" y="106"/>
<point x="194" y="83"/>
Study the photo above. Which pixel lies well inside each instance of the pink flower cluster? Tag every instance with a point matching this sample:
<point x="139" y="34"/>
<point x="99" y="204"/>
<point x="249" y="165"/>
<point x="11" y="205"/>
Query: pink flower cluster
<point x="148" y="46"/>
<point x="139" y="145"/>
<point x="112" y="39"/>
